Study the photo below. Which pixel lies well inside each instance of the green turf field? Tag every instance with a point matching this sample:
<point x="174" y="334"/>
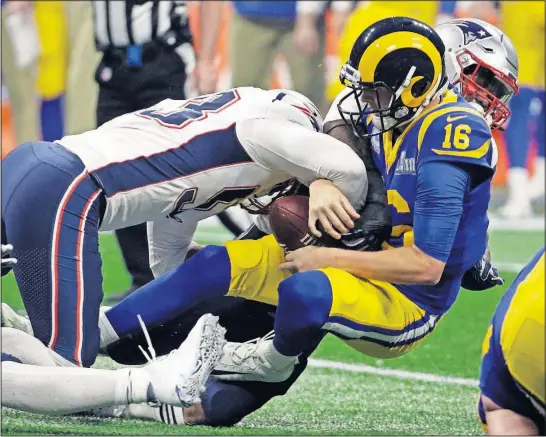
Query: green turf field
<point x="430" y="391"/>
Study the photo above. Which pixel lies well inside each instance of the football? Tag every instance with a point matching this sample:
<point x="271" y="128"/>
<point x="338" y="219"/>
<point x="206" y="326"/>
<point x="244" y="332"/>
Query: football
<point x="288" y="217"/>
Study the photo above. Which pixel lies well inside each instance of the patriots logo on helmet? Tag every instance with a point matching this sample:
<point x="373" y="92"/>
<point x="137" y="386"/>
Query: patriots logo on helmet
<point x="472" y="31"/>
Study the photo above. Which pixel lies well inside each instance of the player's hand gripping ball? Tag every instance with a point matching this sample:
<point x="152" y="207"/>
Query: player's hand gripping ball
<point x="288" y="218"/>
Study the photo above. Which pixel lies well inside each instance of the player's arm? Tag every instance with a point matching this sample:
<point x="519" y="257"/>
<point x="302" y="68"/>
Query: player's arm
<point x="502" y="421"/>
<point x="443" y="179"/>
<point x="168" y="243"/>
<point x="455" y="156"/>
<point x="375" y="224"/>
<point x="335" y="176"/>
<point x="441" y="188"/>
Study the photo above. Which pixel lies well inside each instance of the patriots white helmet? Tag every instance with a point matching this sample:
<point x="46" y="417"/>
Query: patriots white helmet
<point x="289" y="100"/>
<point x="483" y="64"/>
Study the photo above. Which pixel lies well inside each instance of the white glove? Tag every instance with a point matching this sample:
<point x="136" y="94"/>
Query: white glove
<point x="6" y="260"/>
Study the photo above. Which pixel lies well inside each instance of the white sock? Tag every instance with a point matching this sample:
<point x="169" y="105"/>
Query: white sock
<point x="66" y="390"/>
<point x="48" y="384"/>
<point x="164" y="413"/>
<point x="108" y="334"/>
<point x="277" y="360"/>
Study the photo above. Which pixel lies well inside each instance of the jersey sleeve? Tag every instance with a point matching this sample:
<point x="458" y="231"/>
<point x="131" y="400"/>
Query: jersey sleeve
<point x="441" y="188"/>
<point x="285" y="147"/>
<point x="458" y="135"/>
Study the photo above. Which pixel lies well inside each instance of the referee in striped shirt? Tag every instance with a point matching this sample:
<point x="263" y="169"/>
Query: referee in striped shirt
<point x="147" y="57"/>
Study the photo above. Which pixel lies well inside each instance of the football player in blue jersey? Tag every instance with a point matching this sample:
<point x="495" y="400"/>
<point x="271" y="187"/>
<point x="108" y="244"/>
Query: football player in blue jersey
<point x="435" y="155"/>
<point x="512" y="378"/>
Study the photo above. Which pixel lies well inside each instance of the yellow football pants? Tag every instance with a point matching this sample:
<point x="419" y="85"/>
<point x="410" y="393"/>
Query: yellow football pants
<point x="373" y="317"/>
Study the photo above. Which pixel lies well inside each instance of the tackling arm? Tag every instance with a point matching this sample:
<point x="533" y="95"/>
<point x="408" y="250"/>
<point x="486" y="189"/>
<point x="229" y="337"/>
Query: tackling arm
<point x="287" y="147"/>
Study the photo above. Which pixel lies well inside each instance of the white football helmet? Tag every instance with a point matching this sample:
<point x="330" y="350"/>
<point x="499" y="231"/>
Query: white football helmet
<point x="483" y="64"/>
<point x="288" y="100"/>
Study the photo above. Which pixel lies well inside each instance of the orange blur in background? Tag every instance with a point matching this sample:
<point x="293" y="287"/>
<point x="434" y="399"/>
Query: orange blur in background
<point x="8" y="137"/>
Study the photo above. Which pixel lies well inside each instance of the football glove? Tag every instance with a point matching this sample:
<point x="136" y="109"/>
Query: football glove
<point x="482" y="276"/>
<point x="371" y="229"/>
<point x="7" y="261"/>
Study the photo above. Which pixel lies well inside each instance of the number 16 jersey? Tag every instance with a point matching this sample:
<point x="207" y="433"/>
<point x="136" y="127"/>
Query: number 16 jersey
<point x="451" y="132"/>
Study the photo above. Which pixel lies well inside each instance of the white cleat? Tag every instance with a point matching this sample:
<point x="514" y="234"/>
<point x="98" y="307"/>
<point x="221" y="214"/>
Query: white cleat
<point x="10" y="319"/>
<point x="179" y="378"/>
<point x="249" y="362"/>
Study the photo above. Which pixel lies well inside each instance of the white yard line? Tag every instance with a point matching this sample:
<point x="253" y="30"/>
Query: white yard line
<point x="533" y="224"/>
<point x="402" y="374"/>
<point x="509" y="266"/>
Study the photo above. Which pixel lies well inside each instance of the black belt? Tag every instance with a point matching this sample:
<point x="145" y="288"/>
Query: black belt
<point x="149" y="52"/>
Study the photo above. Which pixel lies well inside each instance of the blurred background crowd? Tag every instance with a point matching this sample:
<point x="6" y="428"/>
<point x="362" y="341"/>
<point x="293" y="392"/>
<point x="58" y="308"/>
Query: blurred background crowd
<point x="72" y="65"/>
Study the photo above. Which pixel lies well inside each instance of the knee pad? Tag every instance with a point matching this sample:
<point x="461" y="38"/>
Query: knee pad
<point x="306" y="297"/>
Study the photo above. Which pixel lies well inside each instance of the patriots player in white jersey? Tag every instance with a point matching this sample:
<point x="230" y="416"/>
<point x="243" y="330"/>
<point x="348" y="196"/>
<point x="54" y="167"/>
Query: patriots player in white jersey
<point x="170" y="165"/>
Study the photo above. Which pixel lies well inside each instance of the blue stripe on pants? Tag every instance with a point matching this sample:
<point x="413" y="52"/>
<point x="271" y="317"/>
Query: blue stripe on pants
<point x="51" y="210"/>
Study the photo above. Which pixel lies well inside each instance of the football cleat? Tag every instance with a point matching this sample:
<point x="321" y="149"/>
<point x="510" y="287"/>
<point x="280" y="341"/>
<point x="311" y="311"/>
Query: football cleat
<point x="10" y="319"/>
<point x="179" y="378"/>
<point x="249" y="362"/>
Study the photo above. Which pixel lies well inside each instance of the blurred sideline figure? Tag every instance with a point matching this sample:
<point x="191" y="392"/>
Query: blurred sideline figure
<point x="527" y="119"/>
<point x="53" y="92"/>
<point x="18" y="74"/>
<point x="83" y="58"/>
<point x="262" y="29"/>
<point x="148" y="56"/>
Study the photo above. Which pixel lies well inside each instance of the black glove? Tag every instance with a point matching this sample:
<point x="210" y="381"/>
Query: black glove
<point x="482" y="276"/>
<point x="371" y="229"/>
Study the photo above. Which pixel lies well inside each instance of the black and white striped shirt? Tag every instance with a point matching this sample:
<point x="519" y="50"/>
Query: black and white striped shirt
<point x="124" y="23"/>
